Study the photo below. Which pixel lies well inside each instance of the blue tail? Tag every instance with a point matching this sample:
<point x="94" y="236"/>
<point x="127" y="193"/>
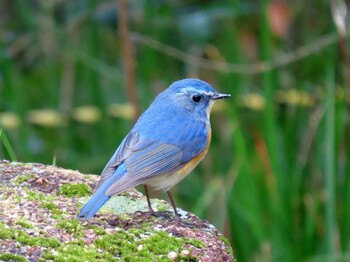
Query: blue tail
<point x="93" y="205"/>
<point x="99" y="198"/>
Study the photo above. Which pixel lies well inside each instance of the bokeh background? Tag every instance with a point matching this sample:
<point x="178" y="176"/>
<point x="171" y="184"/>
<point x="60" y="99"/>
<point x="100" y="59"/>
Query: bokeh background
<point x="74" y="74"/>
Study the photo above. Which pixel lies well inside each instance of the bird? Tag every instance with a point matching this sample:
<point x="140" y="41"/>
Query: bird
<point x="166" y="143"/>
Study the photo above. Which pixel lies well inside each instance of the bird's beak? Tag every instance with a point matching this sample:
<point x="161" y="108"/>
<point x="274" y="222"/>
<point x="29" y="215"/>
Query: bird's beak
<point x="219" y="96"/>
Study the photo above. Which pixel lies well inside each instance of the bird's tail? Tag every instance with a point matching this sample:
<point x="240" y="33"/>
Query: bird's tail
<point x="93" y="205"/>
<point x="99" y="198"/>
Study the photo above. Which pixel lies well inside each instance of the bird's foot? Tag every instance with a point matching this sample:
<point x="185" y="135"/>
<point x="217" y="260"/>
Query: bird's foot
<point x="184" y="223"/>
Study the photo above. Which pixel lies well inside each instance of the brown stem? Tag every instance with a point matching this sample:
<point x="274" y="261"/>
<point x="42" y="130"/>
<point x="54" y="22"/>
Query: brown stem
<point x="128" y="57"/>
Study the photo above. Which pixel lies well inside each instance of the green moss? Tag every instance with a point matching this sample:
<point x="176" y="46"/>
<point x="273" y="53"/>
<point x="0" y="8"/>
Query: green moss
<point x="21" y="179"/>
<point x="228" y="245"/>
<point x="33" y="195"/>
<point x="73" y="190"/>
<point x="56" y="212"/>
<point x="162" y="208"/>
<point x="77" y="251"/>
<point x="5" y="232"/>
<point x="137" y="244"/>
<point x="116" y="243"/>
<point x="3" y="189"/>
<point x="12" y="257"/>
<point x="49" y="205"/>
<point x="24" y="238"/>
<point x="97" y="230"/>
<point x="17" y="199"/>
<point x="142" y="245"/>
<point x="24" y="223"/>
<point x="71" y="226"/>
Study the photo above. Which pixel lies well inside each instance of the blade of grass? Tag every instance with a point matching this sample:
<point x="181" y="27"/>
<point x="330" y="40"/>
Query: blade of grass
<point x="268" y="80"/>
<point x="54" y="160"/>
<point x="330" y="207"/>
<point x="7" y="146"/>
<point x="279" y="203"/>
<point x="346" y="196"/>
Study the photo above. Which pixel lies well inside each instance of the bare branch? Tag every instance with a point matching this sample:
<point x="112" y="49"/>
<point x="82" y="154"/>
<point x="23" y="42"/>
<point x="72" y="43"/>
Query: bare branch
<point x="255" y="68"/>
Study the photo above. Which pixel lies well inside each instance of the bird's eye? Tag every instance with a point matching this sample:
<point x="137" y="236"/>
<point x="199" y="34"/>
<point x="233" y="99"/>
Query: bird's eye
<point x="196" y="98"/>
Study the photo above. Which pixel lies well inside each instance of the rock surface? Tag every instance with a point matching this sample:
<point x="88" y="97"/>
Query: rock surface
<point x="38" y="207"/>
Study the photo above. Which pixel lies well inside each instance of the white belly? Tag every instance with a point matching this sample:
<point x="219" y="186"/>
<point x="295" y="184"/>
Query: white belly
<point x="165" y="182"/>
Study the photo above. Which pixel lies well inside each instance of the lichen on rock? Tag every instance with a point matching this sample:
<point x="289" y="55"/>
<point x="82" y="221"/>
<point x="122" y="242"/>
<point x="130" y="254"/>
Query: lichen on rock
<point x="38" y="207"/>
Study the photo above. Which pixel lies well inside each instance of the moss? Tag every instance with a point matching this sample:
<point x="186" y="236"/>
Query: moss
<point x="24" y="238"/>
<point x="24" y="223"/>
<point x="71" y="226"/>
<point x="5" y="232"/>
<point x="3" y="189"/>
<point x="74" y="190"/>
<point x="116" y="243"/>
<point x="18" y="180"/>
<point x="143" y="245"/>
<point x="97" y="230"/>
<point x="77" y="251"/>
<point x="227" y="243"/>
<point x="55" y="211"/>
<point x="12" y="257"/>
<point x="162" y="208"/>
<point x="49" y="205"/>
<point x="32" y="195"/>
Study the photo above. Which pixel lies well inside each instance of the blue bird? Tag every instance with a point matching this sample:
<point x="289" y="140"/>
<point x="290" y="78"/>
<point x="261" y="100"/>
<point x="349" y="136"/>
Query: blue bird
<point x="167" y="142"/>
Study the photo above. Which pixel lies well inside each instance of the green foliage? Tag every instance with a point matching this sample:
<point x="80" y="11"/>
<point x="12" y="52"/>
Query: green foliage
<point x="18" y="180"/>
<point x="5" y="142"/>
<point x="276" y="177"/>
<point x="24" y="224"/>
<point x="76" y="251"/>
<point x="55" y="211"/>
<point x="72" y="226"/>
<point x="25" y="239"/>
<point x="97" y="230"/>
<point x="74" y="190"/>
<point x="132" y="247"/>
<point x="12" y="257"/>
<point x="33" y="196"/>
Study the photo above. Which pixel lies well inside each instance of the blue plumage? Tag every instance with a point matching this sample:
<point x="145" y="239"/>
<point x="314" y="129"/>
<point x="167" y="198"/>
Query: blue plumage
<point x="100" y="197"/>
<point x="169" y="139"/>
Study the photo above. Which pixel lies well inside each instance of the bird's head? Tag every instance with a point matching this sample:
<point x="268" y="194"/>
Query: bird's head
<point x="194" y="95"/>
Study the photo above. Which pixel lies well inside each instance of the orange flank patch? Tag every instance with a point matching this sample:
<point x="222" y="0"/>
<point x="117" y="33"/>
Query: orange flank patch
<point x="195" y="161"/>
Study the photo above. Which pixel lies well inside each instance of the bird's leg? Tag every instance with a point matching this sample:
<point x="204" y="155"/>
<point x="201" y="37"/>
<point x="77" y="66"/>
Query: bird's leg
<point x="158" y="213"/>
<point x="173" y="204"/>
<point x="178" y="218"/>
<point x="148" y="201"/>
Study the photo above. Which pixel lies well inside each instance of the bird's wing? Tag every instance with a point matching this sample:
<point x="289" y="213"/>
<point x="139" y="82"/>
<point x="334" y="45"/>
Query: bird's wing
<point x="130" y="143"/>
<point x="145" y="158"/>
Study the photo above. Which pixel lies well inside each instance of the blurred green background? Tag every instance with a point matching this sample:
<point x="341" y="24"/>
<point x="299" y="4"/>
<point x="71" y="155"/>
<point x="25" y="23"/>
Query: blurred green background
<point x="276" y="178"/>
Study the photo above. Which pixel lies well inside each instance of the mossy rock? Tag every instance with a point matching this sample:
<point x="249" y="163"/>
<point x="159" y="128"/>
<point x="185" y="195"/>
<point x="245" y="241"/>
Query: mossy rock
<point x="38" y="207"/>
